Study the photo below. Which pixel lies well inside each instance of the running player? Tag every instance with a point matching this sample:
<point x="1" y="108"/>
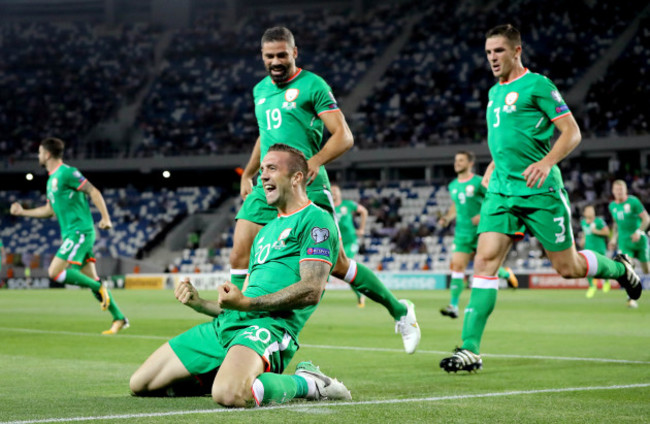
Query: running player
<point x="345" y="211"/>
<point x="467" y="194"/>
<point x="525" y="189"/>
<point x="630" y="224"/>
<point x="254" y="334"/>
<point x="594" y="237"/>
<point x="74" y="262"/>
<point x="292" y="105"/>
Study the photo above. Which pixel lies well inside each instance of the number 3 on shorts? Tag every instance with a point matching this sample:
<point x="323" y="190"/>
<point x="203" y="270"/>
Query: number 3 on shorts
<point x="561" y="236"/>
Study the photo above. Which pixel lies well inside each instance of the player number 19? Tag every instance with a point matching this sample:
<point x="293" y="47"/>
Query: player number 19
<point x="273" y="118"/>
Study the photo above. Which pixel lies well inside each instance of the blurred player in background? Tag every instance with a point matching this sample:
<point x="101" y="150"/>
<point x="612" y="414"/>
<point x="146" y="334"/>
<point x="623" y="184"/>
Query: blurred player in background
<point x="291" y="106"/>
<point x="74" y="262"/>
<point x="594" y="237"/>
<point x="630" y="224"/>
<point x="467" y="194"/>
<point x="345" y="211"/>
<point x="525" y="189"/>
<point x="254" y="334"/>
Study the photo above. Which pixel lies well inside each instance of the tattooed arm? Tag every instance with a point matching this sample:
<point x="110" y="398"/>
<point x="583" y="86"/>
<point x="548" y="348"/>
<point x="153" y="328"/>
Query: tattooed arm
<point x="306" y="292"/>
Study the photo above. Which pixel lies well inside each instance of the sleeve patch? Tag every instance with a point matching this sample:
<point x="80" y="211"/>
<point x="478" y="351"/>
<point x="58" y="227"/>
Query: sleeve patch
<point x="318" y="251"/>
<point x="319" y="235"/>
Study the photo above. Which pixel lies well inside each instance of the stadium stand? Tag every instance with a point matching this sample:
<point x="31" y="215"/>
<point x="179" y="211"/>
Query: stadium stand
<point x="63" y="78"/>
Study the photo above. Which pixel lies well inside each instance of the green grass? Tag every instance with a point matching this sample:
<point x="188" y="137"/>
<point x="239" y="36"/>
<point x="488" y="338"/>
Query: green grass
<point x="54" y="364"/>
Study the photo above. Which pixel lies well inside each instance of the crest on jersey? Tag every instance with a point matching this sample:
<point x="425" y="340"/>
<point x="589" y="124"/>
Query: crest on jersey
<point x="261" y="101"/>
<point x="55" y="184"/>
<point x="557" y="96"/>
<point x="511" y="98"/>
<point x="319" y="235"/>
<point x="291" y="94"/>
<point x="469" y="191"/>
<point x="626" y="208"/>
<point x="344" y="210"/>
<point x="284" y="234"/>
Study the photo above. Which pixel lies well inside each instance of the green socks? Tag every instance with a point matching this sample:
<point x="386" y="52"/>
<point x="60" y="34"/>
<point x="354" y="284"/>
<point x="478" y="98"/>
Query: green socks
<point x="456" y="287"/>
<point x="601" y="266"/>
<point x="481" y="304"/>
<point x="78" y="278"/>
<point x="368" y="284"/>
<point x="277" y="388"/>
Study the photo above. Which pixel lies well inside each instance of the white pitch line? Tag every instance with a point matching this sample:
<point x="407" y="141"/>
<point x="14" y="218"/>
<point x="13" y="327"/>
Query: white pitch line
<point x="354" y="348"/>
<point x="330" y="404"/>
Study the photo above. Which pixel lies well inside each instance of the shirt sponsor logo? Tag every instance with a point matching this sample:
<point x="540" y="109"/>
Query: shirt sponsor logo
<point x="319" y="235"/>
<point x="289" y="105"/>
<point x="318" y="251"/>
<point x="291" y="94"/>
<point x="562" y="108"/>
<point x="509" y="108"/>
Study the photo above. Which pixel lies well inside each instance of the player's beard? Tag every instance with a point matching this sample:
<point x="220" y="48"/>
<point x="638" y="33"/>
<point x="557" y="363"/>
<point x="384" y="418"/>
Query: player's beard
<point x="279" y="78"/>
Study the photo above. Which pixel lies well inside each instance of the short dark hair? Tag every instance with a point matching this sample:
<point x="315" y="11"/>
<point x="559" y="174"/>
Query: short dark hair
<point x="278" y="33"/>
<point x="469" y="154"/>
<point x="298" y="162"/>
<point x="508" y="31"/>
<point x="53" y="145"/>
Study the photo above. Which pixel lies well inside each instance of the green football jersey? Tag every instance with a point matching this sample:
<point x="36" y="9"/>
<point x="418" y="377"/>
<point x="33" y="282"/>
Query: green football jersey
<point x="467" y="196"/>
<point x="520" y="115"/>
<point x="345" y="217"/>
<point x="594" y="241"/>
<point x="627" y="216"/>
<point x="69" y="204"/>
<point x="290" y="113"/>
<point x="308" y="234"/>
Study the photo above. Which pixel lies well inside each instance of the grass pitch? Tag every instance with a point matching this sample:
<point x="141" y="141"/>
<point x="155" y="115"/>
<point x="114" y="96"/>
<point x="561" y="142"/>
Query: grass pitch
<point x="549" y="356"/>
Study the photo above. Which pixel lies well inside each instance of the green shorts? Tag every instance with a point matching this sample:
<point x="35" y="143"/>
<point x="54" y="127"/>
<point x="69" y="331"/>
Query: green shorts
<point x="465" y="243"/>
<point x="203" y="348"/>
<point x="546" y="216"/>
<point x="638" y="250"/>
<point x="255" y="209"/>
<point x="77" y="248"/>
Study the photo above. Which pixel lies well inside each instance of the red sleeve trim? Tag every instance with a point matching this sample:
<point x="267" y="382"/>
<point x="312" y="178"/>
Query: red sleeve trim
<point x="329" y="111"/>
<point x="82" y="184"/>
<point x="560" y="116"/>
<point x="316" y="259"/>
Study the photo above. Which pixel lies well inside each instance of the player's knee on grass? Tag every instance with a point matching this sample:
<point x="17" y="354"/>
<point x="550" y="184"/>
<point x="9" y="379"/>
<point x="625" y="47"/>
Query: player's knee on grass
<point x="139" y="384"/>
<point x="232" y="394"/>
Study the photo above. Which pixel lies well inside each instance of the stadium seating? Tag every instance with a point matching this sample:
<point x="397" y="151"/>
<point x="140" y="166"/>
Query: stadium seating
<point x="63" y="78"/>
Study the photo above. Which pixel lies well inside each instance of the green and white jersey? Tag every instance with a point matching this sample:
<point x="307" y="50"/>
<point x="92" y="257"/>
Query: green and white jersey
<point x="467" y="196"/>
<point x="290" y="113"/>
<point x="345" y="218"/>
<point x="594" y="241"/>
<point x="309" y="234"/>
<point x="69" y="204"/>
<point x="520" y="115"/>
<point x="627" y="216"/>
